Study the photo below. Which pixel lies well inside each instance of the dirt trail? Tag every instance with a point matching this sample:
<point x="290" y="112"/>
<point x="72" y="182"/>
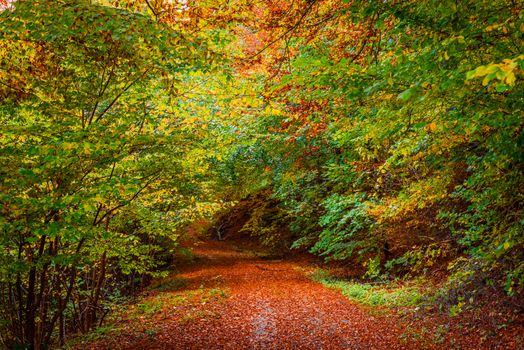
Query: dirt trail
<point x="261" y="304"/>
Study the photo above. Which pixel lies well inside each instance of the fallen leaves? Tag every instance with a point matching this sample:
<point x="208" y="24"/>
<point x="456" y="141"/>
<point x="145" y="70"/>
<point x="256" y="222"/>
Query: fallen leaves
<point x="233" y="300"/>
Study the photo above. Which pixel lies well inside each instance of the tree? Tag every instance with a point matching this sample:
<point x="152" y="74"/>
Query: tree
<point x="401" y="133"/>
<point x="88" y="145"/>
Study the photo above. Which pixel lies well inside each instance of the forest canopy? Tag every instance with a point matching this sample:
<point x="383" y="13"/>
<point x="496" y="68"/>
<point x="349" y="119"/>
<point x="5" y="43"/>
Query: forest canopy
<point x="385" y="134"/>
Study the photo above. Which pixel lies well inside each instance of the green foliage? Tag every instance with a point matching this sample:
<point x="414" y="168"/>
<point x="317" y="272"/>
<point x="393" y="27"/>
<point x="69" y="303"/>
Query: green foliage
<point x="456" y="309"/>
<point x="400" y="142"/>
<point x="374" y="295"/>
<point x="373" y="268"/>
<point x="419" y="260"/>
<point x="347" y="228"/>
<point x="149" y="307"/>
<point x="93" y="161"/>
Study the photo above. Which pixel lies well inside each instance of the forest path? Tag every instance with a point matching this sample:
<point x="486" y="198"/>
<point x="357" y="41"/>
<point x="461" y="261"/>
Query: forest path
<point x="230" y="299"/>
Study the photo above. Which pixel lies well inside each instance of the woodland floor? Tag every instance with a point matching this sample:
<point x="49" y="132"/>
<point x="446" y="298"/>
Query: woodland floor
<point x="229" y="298"/>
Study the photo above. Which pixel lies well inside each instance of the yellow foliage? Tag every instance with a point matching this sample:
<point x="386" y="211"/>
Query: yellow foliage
<point x="504" y="72"/>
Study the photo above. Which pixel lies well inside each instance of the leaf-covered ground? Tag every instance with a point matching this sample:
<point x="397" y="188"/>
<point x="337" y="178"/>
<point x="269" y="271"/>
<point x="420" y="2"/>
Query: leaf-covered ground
<point x="232" y="299"/>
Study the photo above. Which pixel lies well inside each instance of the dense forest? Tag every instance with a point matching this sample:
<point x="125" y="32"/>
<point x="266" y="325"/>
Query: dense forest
<point x="383" y="137"/>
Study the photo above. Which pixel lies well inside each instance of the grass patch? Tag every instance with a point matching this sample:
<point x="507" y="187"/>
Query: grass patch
<point x="389" y="295"/>
<point x="147" y="308"/>
<point x="99" y="333"/>
<point x="170" y="285"/>
<point x="105" y="329"/>
<point x="151" y="306"/>
<point x="163" y="301"/>
<point x="217" y="292"/>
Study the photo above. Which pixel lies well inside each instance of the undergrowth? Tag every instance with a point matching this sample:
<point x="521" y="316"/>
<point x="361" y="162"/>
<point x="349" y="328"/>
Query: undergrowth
<point x="391" y="294"/>
<point x="163" y="298"/>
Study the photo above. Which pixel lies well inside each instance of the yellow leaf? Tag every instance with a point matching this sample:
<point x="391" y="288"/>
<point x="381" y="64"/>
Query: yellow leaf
<point x="481" y="71"/>
<point x="510" y="79"/>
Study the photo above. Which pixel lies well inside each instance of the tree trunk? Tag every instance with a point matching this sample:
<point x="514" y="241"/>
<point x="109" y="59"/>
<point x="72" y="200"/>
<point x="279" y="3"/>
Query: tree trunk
<point x="98" y="290"/>
<point x="30" y="305"/>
